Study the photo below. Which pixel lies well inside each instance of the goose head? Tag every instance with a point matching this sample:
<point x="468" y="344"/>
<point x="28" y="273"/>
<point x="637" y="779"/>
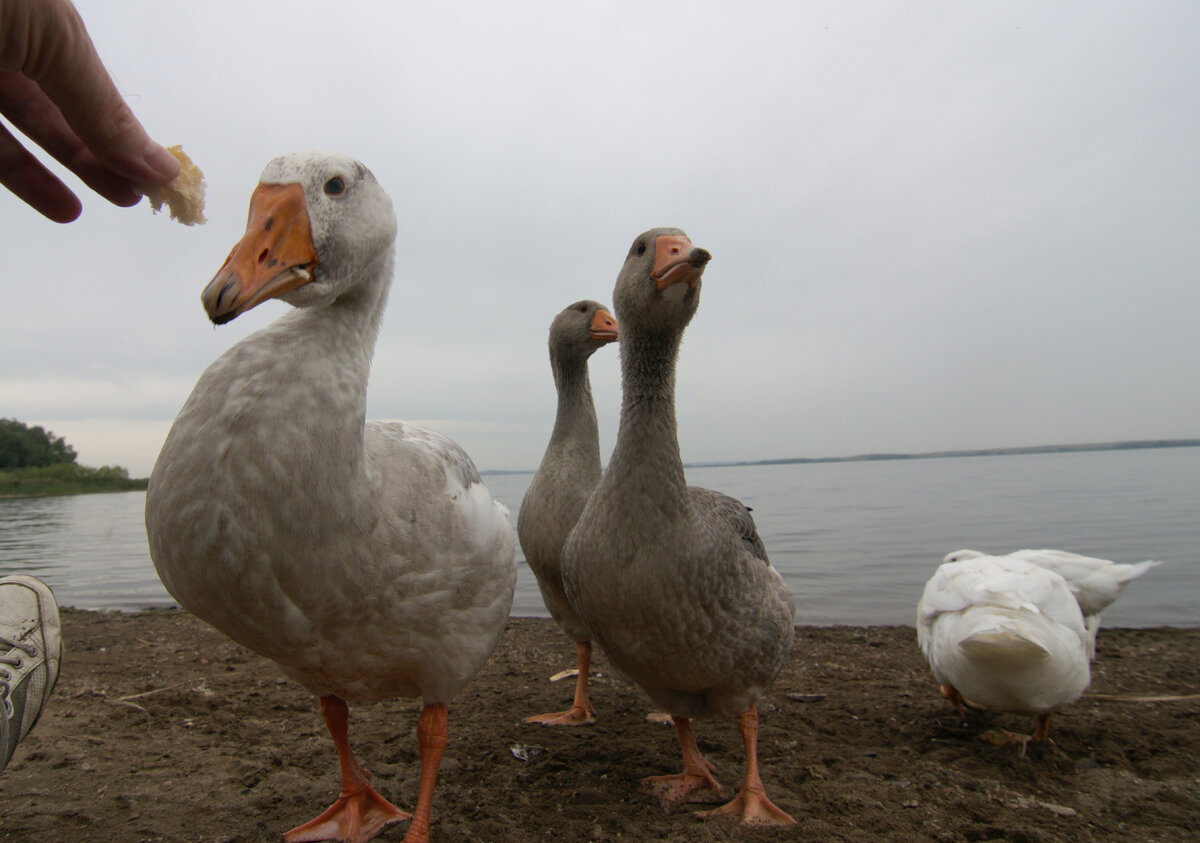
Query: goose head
<point x="581" y="328"/>
<point x="961" y="555"/>
<point x="658" y="288"/>
<point x="319" y="227"/>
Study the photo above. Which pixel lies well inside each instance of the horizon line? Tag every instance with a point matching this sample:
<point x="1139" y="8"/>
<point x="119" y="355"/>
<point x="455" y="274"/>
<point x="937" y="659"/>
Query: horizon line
<point x="1122" y="445"/>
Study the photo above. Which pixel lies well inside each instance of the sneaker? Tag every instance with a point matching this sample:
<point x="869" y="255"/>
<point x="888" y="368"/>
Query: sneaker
<point x="30" y="651"/>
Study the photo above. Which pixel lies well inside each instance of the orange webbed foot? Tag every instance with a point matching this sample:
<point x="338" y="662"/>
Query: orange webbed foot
<point x="684" y="787"/>
<point x="355" y="817"/>
<point x="581" y="712"/>
<point x="755" y="809"/>
<point x="573" y="716"/>
<point x="696" y="775"/>
<point x="1000" y="737"/>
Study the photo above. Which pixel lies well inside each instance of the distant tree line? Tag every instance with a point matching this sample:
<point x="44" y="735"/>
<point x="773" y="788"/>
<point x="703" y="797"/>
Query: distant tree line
<point x="22" y="446"/>
<point x="33" y="461"/>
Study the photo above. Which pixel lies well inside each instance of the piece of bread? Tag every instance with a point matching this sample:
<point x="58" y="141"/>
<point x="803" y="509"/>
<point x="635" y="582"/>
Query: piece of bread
<point x="184" y="196"/>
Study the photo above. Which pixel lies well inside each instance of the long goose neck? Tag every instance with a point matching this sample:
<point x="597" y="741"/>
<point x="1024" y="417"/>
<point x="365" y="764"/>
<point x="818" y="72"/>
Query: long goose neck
<point x="320" y="361"/>
<point x="576" y="434"/>
<point x="647" y="449"/>
<point x="359" y="311"/>
<point x="344" y="332"/>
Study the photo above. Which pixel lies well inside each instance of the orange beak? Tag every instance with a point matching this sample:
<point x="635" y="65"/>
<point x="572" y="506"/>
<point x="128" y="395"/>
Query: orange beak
<point x="275" y="255"/>
<point x="604" y="326"/>
<point x="677" y="261"/>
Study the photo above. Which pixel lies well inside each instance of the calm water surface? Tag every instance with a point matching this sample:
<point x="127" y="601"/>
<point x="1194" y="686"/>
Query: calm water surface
<point x="856" y="541"/>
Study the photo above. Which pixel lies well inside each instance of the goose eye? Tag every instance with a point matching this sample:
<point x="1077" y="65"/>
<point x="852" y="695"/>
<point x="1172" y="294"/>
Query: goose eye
<point x="335" y="187"/>
<point x="641" y="248"/>
<point x="583" y="308"/>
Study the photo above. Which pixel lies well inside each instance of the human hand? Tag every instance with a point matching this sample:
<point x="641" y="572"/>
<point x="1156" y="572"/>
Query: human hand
<point x="55" y="90"/>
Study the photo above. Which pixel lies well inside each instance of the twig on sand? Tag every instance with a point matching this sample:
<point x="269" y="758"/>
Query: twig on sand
<point x="126" y="699"/>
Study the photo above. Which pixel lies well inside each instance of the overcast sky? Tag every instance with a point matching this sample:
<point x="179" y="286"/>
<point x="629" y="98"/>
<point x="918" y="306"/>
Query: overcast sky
<point x="933" y="225"/>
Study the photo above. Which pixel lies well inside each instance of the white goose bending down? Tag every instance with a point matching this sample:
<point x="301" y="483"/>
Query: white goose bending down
<point x="1096" y="583"/>
<point x="672" y="579"/>
<point x="568" y="473"/>
<point x="367" y="559"/>
<point x="1003" y="633"/>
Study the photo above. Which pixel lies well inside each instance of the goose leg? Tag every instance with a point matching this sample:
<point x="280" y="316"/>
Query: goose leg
<point x="697" y="772"/>
<point x="581" y="712"/>
<point x="432" y="733"/>
<point x="1042" y="733"/>
<point x="359" y="812"/>
<point x="751" y="802"/>
<point x="960" y="702"/>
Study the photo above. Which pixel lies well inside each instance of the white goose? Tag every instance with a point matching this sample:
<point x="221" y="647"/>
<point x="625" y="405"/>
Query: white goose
<point x="1005" y="634"/>
<point x="367" y="559"/>
<point x="672" y="579"/>
<point x="1096" y="583"/>
<point x="568" y="473"/>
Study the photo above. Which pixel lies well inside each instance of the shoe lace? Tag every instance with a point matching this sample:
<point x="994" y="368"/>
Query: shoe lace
<point x="8" y="655"/>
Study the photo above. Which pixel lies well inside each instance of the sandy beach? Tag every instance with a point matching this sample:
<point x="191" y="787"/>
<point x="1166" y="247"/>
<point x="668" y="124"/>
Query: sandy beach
<point x="162" y="729"/>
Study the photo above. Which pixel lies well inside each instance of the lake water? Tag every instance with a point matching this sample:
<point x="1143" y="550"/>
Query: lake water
<point x="855" y="540"/>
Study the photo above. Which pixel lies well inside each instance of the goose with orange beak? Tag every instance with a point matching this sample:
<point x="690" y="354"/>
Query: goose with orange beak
<point x="366" y="558"/>
<point x="673" y="580"/>
<point x="566" y="476"/>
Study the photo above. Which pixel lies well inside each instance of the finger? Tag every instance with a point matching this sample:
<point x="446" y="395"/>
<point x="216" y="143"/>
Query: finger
<point x="25" y="176"/>
<point x="70" y="72"/>
<point x="39" y="119"/>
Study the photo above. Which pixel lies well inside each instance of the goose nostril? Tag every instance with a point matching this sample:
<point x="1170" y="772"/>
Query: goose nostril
<point x="263" y="256"/>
